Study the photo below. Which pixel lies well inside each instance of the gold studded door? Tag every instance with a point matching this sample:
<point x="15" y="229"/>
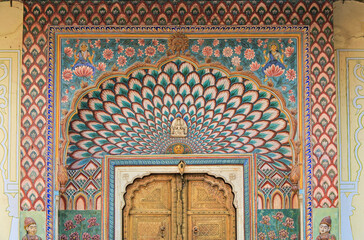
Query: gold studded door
<point x="193" y="207"/>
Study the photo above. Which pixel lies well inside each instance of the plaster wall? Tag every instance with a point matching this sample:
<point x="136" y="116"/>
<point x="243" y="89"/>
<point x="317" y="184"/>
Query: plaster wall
<point x="11" y="20"/>
<point x="348" y="43"/>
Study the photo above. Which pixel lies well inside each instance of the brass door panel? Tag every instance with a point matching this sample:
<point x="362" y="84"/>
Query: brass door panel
<point x="182" y="207"/>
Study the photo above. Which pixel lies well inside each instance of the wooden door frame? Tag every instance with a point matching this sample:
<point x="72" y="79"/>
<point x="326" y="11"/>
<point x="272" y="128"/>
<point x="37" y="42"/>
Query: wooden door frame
<point x="123" y="170"/>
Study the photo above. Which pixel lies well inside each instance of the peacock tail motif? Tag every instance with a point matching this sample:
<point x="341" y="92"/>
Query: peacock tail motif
<point x="225" y="113"/>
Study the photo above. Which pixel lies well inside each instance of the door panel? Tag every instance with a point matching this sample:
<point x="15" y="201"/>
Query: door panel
<point x="188" y="207"/>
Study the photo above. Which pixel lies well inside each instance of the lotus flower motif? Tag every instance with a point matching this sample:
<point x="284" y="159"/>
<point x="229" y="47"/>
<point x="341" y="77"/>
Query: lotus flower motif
<point x="83" y="71"/>
<point x="273" y="71"/>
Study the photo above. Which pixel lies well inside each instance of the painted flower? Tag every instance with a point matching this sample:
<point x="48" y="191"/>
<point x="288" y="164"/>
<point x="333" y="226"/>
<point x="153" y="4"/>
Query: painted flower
<point x="63" y="237"/>
<point x="207" y="51"/>
<point x="141" y="42"/>
<point x="290" y="41"/>
<point x="289" y="221"/>
<point x="107" y="40"/>
<point x="272" y="235"/>
<point x="262" y="236"/>
<point x="288" y="51"/>
<point x="161" y="48"/>
<point x="140" y="53"/>
<point x="195" y="48"/>
<point x="79" y="218"/>
<point x="74" y="236"/>
<point x="249" y="40"/>
<point x="259" y="42"/>
<point x="101" y="66"/>
<point x="150" y="51"/>
<point x="96" y="237"/>
<point x="265" y="220"/>
<point x="120" y="49"/>
<point x="92" y="222"/>
<point x="265" y="46"/>
<point x="249" y="54"/>
<point x="273" y="71"/>
<point x="68" y="51"/>
<point x="290" y="91"/>
<point x="238" y="40"/>
<point x="235" y="61"/>
<point x="292" y="99"/>
<point x="117" y="40"/>
<point x="83" y="71"/>
<point x="68" y="41"/>
<point x="121" y="61"/>
<point x="129" y="51"/>
<point x="72" y="87"/>
<point x="67" y="74"/>
<point x="279" y="216"/>
<point x="291" y="74"/>
<point x="69" y="225"/>
<point x="155" y="42"/>
<point x="279" y="40"/>
<point x="294" y="236"/>
<point x="98" y="44"/>
<point x="215" y="42"/>
<point x="200" y="41"/>
<point x="283" y="234"/>
<point x="227" y="52"/>
<point x="217" y="53"/>
<point x="254" y="66"/>
<point x="284" y="88"/>
<point x="108" y="54"/>
<point x="86" y="236"/>
<point x="237" y="49"/>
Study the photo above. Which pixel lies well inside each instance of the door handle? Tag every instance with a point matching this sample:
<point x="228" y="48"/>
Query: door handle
<point x="195" y="230"/>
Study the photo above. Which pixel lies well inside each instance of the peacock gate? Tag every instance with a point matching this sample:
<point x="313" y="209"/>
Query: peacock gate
<point x="180" y="132"/>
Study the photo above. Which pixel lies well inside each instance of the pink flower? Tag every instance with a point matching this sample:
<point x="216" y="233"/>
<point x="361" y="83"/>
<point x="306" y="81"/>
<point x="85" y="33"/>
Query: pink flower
<point x="67" y="74"/>
<point x="290" y="41"/>
<point x="289" y="51"/>
<point x="101" y="66"/>
<point x="68" y="41"/>
<point x="288" y="223"/>
<point x="249" y="54"/>
<point x="140" y="53"/>
<point x="294" y="237"/>
<point x="195" y="48"/>
<point x="117" y="40"/>
<point x="217" y="53"/>
<point x="290" y="91"/>
<point x="72" y="87"/>
<point x="284" y="88"/>
<point x="79" y="218"/>
<point x="120" y="49"/>
<point x="68" y="51"/>
<point x="227" y="52"/>
<point x="96" y="237"/>
<point x="141" y="42"/>
<point x="283" y="234"/>
<point x="262" y="236"/>
<point x="161" y="48"/>
<point x="69" y="223"/>
<point x="200" y="41"/>
<point x="254" y="66"/>
<point x="238" y="49"/>
<point x="260" y="42"/>
<point x="266" y="40"/>
<point x="86" y="236"/>
<point x="207" y="51"/>
<point x="63" y="237"/>
<point x="83" y="71"/>
<point x="98" y="44"/>
<point x="279" y="40"/>
<point x="155" y="42"/>
<point x="291" y="74"/>
<point x="292" y="98"/>
<point x="265" y="46"/>
<point x="238" y="40"/>
<point x="273" y="71"/>
<point x="249" y="40"/>
<point x="107" y="40"/>
<point x="92" y="222"/>
<point x="67" y="91"/>
<point x="108" y="54"/>
<point x="74" y="236"/>
<point x="235" y="61"/>
<point x="265" y="220"/>
<point x="122" y="61"/>
<point x="215" y="42"/>
<point x="279" y="216"/>
<point x="150" y="51"/>
<point x="129" y="51"/>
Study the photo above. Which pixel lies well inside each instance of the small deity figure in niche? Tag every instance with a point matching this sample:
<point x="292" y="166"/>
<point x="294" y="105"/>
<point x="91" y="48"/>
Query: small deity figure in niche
<point x="83" y="57"/>
<point x="178" y="128"/>
<point x="31" y="227"/>
<point x="325" y="227"/>
<point x="274" y="66"/>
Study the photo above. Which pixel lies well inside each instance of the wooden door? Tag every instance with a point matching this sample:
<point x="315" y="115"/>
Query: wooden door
<point x="192" y="206"/>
